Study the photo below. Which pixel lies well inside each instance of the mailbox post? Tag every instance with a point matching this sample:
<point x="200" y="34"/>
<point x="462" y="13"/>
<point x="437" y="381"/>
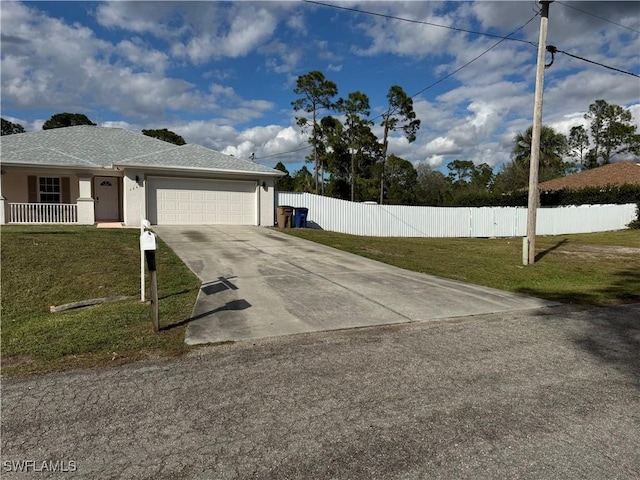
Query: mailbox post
<point x="148" y="246"/>
<point x="144" y="225"/>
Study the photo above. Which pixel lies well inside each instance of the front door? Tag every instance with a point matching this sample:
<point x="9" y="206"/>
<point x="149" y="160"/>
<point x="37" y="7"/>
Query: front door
<point x="106" y="198"/>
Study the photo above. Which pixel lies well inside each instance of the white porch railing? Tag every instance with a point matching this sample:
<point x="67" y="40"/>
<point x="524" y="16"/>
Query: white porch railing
<point x="43" y="213"/>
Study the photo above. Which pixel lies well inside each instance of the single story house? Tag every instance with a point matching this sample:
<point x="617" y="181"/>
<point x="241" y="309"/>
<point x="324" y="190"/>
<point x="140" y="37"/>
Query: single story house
<point x="88" y="174"/>
<point x="618" y="173"/>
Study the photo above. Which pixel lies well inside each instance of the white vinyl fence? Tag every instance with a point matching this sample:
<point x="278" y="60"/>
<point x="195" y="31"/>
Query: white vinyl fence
<point x="402" y="221"/>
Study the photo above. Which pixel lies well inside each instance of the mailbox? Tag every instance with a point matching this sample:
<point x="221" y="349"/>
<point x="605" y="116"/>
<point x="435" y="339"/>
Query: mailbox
<point x="148" y="241"/>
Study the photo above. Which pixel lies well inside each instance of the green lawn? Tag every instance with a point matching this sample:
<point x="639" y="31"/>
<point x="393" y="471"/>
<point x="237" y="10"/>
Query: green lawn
<point x="54" y="265"/>
<point x="594" y="269"/>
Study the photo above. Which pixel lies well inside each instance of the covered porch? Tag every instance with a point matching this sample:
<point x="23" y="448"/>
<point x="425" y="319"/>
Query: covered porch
<point x="36" y="197"/>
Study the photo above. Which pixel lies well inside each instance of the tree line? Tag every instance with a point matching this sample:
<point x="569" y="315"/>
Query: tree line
<point x="61" y="120"/>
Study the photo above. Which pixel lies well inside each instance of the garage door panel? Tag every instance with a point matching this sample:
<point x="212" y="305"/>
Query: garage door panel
<point x="192" y="201"/>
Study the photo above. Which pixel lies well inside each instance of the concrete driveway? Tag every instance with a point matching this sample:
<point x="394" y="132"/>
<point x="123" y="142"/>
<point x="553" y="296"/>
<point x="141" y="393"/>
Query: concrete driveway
<point x="259" y="283"/>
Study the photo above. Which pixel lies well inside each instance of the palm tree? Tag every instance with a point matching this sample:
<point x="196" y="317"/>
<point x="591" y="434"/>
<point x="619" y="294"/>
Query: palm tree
<point x="553" y="148"/>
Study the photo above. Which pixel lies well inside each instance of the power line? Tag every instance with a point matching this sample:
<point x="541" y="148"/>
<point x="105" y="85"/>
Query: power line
<point x="591" y="61"/>
<point x="283" y="153"/>
<point x="601" y="18"/>
<point x="502" y="39"/>
<point x="419" y="22"/>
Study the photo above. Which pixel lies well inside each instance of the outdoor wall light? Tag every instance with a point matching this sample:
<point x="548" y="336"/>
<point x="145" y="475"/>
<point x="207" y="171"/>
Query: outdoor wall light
<point x="138" y="180"/>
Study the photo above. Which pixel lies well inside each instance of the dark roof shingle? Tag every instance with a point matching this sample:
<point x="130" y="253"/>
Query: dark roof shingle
<point x="619" y="173"/>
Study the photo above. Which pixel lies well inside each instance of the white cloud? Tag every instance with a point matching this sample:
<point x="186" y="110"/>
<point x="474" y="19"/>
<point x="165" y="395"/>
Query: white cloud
<point x="121" y="124"/>
<point x="222" y="91"/>
<point x="435" y="160"/>
<point x="442" y="146"/>
<point x="41" y="69"/>
<point x="201" y="31"/>
<point x="404" y="38"/>
<point x="565" y="124"/>
<point x="262" y="141"/>
<point x="137" y="53"/>
<point x="280" y="57"/>
<point x="296" y="22"/>
<point x="323" y="52"/>
<point x="245" y="33"/>
<point x="138" y="17"/>
<point x="569" y="92"/>
<point x="277" y="141"/>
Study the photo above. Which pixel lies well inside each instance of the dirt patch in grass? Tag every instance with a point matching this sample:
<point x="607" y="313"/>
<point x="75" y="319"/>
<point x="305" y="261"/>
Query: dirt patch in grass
<point x="603" y="251"/>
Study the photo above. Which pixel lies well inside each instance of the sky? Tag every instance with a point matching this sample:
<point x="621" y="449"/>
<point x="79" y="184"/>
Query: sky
<point x="222" y="74"/>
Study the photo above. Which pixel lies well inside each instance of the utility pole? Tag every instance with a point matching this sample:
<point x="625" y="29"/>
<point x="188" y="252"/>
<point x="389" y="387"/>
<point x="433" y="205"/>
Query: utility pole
<point x="529" y="245"/>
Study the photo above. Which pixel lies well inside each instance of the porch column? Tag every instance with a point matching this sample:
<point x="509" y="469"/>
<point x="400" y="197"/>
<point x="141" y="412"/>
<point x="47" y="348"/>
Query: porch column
<point x="86" y="213"/>
<point x="3" y="204"/>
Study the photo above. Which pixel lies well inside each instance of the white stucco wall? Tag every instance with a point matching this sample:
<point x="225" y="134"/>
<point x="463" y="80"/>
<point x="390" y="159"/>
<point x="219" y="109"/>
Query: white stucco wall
<point x="134" y="197"/>
<point x="15" y="188"/>
<point x="267" y="202"/>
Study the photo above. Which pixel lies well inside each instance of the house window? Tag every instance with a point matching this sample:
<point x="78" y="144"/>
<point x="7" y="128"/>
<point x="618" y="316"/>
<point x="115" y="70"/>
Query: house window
<point x="49" y="189"/>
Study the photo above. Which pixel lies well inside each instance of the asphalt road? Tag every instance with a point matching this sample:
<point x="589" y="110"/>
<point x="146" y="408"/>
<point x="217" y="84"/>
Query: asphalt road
<point x="543" y="394"/>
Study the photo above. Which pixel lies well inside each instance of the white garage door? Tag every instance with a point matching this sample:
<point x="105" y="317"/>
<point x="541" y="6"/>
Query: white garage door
<point x="184" y="201"/>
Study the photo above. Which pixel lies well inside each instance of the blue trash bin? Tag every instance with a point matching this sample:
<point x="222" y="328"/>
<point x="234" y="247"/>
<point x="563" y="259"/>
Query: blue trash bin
<point x="300" y="218"/>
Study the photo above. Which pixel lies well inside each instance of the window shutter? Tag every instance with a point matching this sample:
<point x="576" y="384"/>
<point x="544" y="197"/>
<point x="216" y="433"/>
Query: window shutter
<point x="65" y="194"/>
<point x="32" y="188"/>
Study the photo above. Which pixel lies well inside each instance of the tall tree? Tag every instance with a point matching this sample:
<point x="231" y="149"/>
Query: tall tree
<point x="482" y="177"/>
<point x="460" y="171"/>
<point x="333" y="154"/>
<point x="317" y="93"/>
<point x="433" y="187"/>
<point x="399" y="115"/>
<point x="511" y="177"/>
<point x="579" y="143"/>
<point x="61" y="120"/>
<point x="402" y="180"/>
<point x="468" y="179"/>
<point x="355" y="108"/>
<point x="611" y="133"/>
<point x="303" y="180"/>
<point x="10" y="128"/>
<point x="165" y="135"/>
<point x="553" y="148"/>
<point x="367" y="163"/>
<point x="285" y="184"/>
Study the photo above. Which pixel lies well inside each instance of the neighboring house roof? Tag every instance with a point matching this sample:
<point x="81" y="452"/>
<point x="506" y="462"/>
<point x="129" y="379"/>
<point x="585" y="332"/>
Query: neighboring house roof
<point x="87" y="146"/>
<point x="619" y="173"/>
